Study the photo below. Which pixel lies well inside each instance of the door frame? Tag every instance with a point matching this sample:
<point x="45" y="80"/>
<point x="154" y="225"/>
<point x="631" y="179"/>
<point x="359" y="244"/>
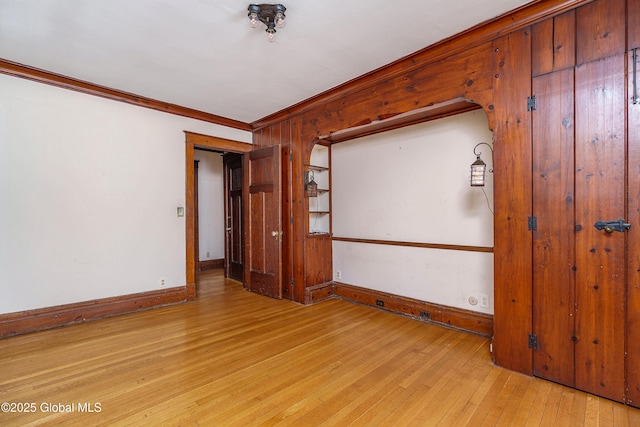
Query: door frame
<point x="193" y="141"/>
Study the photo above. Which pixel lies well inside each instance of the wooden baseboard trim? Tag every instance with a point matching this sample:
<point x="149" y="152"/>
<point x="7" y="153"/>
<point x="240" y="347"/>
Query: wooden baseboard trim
<point x="318" y="293"/>
<point x="471" y="321"/>
<point x="22" y="322"/>
<point x="211" y="264"/>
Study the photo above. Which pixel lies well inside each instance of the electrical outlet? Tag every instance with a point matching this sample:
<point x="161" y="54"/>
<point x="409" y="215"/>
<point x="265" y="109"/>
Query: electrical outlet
<point x="484" y="301"/>
<point x="161" y="282"/>
<point x="338" y="274"/>
<point x="379" y="303"/>
<point x="208" y="254"/>
<point x="473" y="300"/>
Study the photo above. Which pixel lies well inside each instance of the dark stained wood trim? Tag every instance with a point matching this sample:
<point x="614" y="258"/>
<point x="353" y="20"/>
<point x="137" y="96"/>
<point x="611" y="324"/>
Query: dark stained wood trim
<point x="318" y="292"/>
<point x="473" y="37"/>
<point x="68" y="314"/>
<point x="385" y="124"/>
<point x="471" y="321"/>
<point x="190" y="220"/>
<point x="215" y="142"/>
<point x="211" y="264"/>
<point x="196" y="222"/>
<point x="41" y="76"/>
<point x="416" y="244"/>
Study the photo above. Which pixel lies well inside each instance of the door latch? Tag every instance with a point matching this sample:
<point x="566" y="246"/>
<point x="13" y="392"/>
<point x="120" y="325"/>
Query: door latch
<point x="611" y="226"/>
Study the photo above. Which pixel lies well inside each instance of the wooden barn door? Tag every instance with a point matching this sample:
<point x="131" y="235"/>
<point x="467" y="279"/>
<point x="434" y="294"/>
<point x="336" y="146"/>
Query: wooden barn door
<point x="580" y="172"/>
<point x="600" y="254"/>
<point x="263" y="224"/>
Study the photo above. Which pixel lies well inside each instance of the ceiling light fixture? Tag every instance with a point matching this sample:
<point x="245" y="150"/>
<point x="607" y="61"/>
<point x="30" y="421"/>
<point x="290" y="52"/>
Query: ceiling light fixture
<point x="271" y="15"/>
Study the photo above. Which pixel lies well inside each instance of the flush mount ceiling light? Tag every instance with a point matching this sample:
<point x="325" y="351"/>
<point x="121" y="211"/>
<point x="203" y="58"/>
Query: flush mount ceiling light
<point x="271" y="15"/>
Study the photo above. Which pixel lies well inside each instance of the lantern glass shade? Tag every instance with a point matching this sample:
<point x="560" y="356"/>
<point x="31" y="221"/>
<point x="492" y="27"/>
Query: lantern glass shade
<point x="478" y="169"/>
<point x="310" y="186"/>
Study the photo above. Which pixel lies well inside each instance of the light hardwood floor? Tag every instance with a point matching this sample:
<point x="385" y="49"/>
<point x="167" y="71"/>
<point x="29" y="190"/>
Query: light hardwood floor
<point x="237" y="358"/>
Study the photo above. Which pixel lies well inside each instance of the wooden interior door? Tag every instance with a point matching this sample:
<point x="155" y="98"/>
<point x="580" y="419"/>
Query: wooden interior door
<point x="601" y="256"/>
<point x="554" y="233"/>
<point x="264" y="229"/>
<point x="580" y="165"/>
<point x="234" y="236"/>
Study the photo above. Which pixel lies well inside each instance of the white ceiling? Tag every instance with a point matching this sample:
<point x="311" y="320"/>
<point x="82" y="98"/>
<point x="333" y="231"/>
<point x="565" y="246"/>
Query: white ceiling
<point x="204" y="55"/>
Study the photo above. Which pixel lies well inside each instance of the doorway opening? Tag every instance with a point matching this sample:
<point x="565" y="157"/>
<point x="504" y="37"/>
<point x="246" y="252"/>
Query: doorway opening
<point x="213" y="147"/>
<point x="219" y="241"/>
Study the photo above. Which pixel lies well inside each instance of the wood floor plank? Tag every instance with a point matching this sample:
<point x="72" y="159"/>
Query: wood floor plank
<point x="233" y="358"/>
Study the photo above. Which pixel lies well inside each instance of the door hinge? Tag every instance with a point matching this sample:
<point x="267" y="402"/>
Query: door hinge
<point x="291" y="220"/>
<point x="533" y="341"/>
<point x="532" y="103"/>
<point x="290" y="157"/>
<point x="293" y="282"/>
<point x="533" y="223"/>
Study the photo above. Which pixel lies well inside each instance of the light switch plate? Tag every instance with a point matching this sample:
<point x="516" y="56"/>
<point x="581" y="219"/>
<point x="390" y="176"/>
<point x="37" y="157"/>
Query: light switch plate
<point x="180" y="211"/>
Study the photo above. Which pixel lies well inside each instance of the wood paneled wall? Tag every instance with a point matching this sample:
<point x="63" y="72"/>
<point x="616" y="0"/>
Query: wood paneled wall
<point x="491" y="66"/>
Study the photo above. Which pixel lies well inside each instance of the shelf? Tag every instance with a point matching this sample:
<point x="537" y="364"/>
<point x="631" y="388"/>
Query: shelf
<point x="319" y="208"/>
<point x="317" y="168"/>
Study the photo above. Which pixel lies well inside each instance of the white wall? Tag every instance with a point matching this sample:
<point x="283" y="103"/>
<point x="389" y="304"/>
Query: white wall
<point x="88" y="194"/>
<point x="210" y="205"/>
<point x="412" y="184"/>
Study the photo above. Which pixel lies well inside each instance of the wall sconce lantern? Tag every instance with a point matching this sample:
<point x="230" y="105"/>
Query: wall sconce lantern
<point x="310" y="186"/>
<point x="271" y="15"/>
<point x="479" y="168"/>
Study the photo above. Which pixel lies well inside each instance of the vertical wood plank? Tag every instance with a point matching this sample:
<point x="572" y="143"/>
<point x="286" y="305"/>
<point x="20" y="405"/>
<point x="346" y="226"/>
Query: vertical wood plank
<point x="513" y="240"/>
<point x="600" y="30"/>
<point x="287" y="214"/>
<point x="553" y="242"/>
<point x="633" y="270"/>
<point x="600" y="256"/>
<point x="542" y="47"/>
<point x="564" y="40"/>
<point x="300" y="154"/>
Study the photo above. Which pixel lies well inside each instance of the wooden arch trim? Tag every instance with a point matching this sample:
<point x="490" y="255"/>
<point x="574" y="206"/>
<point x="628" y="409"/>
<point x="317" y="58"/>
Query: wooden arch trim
<point x="193" y="141"/>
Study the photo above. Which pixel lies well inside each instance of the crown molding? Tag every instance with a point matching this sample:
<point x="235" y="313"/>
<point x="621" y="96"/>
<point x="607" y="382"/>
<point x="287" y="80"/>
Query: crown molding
<point x="41" y="76"/>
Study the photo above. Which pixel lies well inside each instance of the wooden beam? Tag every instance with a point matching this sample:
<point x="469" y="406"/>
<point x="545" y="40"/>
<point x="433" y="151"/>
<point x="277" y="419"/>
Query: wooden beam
<point x="475" y="36"/>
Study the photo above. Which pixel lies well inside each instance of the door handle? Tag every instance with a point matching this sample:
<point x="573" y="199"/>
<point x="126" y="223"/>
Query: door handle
<point x="611" y="226"/>
<point x="277" y="234"/>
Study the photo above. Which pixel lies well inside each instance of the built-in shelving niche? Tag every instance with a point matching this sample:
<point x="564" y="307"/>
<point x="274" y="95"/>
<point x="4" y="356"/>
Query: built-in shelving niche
<point x="320" y="206"/>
